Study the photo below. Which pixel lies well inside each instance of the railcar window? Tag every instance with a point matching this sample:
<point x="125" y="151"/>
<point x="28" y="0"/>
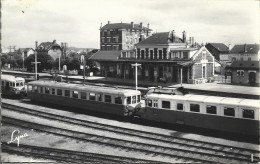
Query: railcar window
<point x="133" y="99"/>
<point x="155" y="103"/>
<point x="248" y="113"/>
<point x="108" y="98"/>
<point x="99" y="97"/>
<point x="11" y="84"/>
<point x="17" y="84"/>
<point x="41" y="89"/>
<point x="92" y="96"/>
<point x="211" y="109"/>
<point x="229" y="111"/>
<point x="59" y="92"/>
<point x="83" y="95"/>
<point x="21" y="84"/>
<point x="67" y="93"/>
<point x="35" y="89"/>
<point x="149" y="103"/>
<point x="179" y="106"/>
<point x="53" y="91"/>
<point x="118" y="100"/>
<point x="47" y="90"/>
<point x="128" y="100"/>
<point x="75" y="94"/>
<point x="166" y="104"/>
<point x="195" y="107"/>
<point x="138" y="98"/>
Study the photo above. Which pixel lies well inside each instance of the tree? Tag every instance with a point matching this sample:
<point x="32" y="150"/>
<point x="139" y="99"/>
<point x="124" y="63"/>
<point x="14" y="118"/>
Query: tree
<point x="74" y="63"/>
<point x="45" y="59"/>
<point x="3" y="60"/>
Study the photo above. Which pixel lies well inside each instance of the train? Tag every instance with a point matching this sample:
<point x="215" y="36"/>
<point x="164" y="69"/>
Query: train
<point x="164" y="105"/>
<point x="110" y="100"/>
<point x="13" y="86"/>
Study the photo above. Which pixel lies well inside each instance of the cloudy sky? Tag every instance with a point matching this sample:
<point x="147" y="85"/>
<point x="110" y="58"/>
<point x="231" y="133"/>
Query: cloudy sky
<point x="77" y="22"/>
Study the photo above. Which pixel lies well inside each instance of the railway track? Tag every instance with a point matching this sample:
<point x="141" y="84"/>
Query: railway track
<point x="61" y="155"/>
<point x="182" y="147"/>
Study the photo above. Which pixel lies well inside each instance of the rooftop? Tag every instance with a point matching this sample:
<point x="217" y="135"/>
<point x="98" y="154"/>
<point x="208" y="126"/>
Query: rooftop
<point x="161" y="38"/>
<point x="219" y="46"/>
<point x="124" y="26"/>
<point x="245" y="49"/>
<point x="245" y="65"/>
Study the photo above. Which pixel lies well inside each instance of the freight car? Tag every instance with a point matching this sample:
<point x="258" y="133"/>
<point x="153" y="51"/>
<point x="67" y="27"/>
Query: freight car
<point x="12" y="86"/>
<point x="109" y="100"/>
<point x="211" y="112"/>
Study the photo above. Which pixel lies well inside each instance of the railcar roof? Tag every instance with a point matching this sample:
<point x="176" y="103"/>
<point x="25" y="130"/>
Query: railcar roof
<point x="208" y="99"/>
<point x="250" y="103"/>
<point x="12" y="78"/>
<point x="89" y="88"/>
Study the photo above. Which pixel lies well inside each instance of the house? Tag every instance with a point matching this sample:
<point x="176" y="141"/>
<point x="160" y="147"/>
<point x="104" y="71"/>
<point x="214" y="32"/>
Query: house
<point x="244" y="52"/>
<point x="163" y="57"/>
<point x="25" y="52"/>
<point x="216" y="49"/>
<point x="51" y="48"/>
<point x="122" y="36"/>
<point x="245" y="72"/>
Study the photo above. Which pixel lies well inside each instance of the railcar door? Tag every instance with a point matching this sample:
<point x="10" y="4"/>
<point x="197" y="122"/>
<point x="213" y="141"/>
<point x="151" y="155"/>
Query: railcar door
<point x="180" y="113"/>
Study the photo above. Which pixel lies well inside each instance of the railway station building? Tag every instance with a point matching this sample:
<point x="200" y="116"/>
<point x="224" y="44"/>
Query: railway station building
<point x="164" y="57"/>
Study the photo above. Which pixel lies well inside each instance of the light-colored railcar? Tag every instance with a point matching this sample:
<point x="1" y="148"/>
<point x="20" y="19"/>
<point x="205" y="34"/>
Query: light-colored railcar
<point x="210" y="112"/>
<point x="12" y="86"/>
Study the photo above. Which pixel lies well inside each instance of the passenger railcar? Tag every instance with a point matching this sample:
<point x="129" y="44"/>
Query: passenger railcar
<point x="12" y="86"/>
<point x="87" y="97"/>
<point x="212" y="112"/>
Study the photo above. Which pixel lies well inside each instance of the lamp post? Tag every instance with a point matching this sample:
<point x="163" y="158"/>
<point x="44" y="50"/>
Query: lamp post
<point x="36" y="60"/>
<point x="135" y="65"/>
<point x="82" y="59"/>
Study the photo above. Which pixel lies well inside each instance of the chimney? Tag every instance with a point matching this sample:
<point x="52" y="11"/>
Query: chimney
<point x="141" y="37"/>
<point x="108" y="22"/>
<point x="245" y="48"/>
<point x="229" y="47"/>
<point x="148" y="25"/>
<point x="192" y="41"/>
<point x="184" y="36"/>
<point x="141" y="25"/>
<point x="54" y="41"/>
<point x="173" y="36"/>
<point x="36" y="45"/>
<point x="132" y="24"/>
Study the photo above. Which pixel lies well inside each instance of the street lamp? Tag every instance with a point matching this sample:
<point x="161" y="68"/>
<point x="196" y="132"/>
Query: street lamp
<point x="82" y="59"/>
<point x="135" y="65"/>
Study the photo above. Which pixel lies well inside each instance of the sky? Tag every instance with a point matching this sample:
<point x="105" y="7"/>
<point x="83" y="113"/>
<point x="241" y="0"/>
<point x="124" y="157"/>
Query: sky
<point x="77" y="22"/>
